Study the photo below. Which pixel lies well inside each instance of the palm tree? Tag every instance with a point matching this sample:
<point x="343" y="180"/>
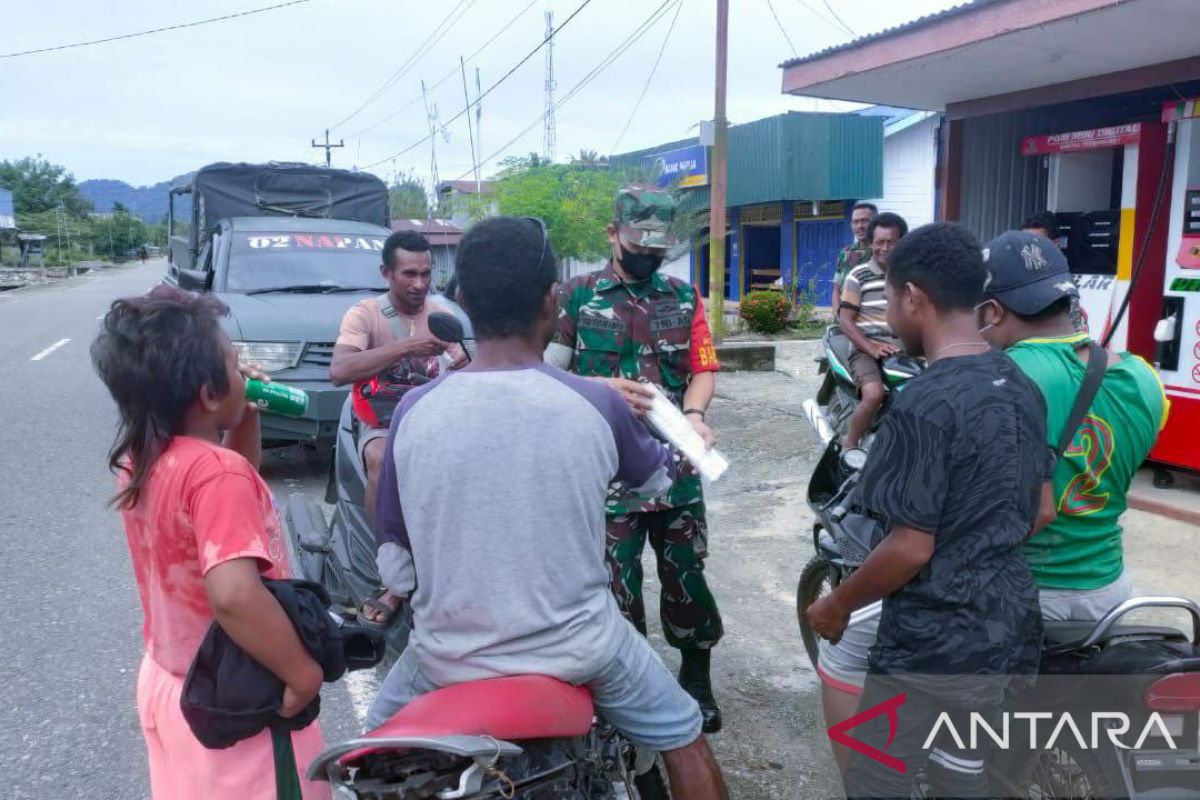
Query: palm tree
<point x="589" y="158"/>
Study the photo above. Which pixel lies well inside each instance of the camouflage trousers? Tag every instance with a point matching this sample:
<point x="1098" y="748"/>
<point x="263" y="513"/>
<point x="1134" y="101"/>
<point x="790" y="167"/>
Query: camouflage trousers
<point x="679" y="536"/>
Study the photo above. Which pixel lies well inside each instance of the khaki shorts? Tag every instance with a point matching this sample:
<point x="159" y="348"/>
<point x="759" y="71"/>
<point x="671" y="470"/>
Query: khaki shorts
<point x="866" y="369"/>
<point x="366" y="435"/>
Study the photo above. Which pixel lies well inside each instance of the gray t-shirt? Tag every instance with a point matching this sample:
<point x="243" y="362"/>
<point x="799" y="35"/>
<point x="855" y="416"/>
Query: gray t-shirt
<point x="491" y="514"/>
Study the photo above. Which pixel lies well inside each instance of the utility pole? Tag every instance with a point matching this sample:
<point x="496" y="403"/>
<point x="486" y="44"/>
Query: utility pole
<point x="327" y="147"/>
<point x="717" y="178"/>
<point x="478" y="117"/>
<point x="470" y="129"/>
<point x="550" y="133"/>
<point x="431" y="117"/>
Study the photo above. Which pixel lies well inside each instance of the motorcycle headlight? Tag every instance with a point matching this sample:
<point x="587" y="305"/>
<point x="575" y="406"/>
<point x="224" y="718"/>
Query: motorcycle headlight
<point x="271" y="356"/>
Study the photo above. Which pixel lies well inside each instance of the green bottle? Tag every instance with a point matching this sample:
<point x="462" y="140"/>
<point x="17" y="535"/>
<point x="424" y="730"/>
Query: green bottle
<point x="287" y="401"/>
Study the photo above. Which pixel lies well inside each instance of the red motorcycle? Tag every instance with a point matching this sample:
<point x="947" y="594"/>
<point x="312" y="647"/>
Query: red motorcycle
<point x="527" y="737"/>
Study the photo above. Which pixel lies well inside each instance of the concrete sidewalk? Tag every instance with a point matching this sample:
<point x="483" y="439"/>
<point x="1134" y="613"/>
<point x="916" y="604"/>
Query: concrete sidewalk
<point x="1181" y="502"/>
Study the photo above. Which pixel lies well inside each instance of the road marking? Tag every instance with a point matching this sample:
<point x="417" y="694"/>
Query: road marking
<point x="49" y="349"/>
<point x="362" y="685"/>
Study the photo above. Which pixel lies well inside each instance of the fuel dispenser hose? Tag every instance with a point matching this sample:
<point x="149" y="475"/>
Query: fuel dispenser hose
<point x="1168" y="164"/>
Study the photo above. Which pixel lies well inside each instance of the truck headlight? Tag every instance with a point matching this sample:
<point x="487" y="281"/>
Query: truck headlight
<point x="271" y="356"/>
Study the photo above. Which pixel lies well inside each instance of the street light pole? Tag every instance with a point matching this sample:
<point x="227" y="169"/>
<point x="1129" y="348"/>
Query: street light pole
<point x="717" y="179"/>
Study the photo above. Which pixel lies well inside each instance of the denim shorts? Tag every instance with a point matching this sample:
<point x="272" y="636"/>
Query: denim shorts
<point x="634" y="692"/>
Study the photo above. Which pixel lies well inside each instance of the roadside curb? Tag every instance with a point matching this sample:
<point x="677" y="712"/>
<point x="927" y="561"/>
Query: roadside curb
<point x="1150" y="505"/>
<point x="746" y="356"/>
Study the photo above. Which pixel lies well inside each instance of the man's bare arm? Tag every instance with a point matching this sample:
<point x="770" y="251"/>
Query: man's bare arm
<point x="848" y="322"/>
<point x="351" y="365"/>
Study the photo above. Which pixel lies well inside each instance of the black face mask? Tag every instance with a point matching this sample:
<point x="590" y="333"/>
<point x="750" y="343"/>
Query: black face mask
<point x="640" y="266"/>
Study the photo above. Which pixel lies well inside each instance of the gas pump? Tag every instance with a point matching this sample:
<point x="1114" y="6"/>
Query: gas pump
<point x="1178" y="334"/>
<point x="1091" y="187"/>
<point x="1139" y="279"/>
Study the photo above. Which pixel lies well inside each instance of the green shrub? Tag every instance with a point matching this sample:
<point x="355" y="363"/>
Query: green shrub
<point x="766" y="312"/>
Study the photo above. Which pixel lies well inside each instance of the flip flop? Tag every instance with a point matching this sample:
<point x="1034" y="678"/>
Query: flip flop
<point x="382" y="609"/>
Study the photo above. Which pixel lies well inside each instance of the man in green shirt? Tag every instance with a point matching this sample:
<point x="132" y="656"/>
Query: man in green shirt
<point x="855" y="253"/>
<point x="1076" y="557"/>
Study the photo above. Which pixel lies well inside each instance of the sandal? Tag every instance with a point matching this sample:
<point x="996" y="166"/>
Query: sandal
<point x="382" y="611"/>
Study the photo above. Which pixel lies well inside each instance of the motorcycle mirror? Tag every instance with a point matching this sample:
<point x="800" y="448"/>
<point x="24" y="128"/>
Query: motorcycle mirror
<point x="446" y="327"/>
<point x="854" y="458"/>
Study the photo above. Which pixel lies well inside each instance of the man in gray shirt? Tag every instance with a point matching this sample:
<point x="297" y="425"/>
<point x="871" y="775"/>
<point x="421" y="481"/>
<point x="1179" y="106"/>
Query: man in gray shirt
<point x="497" y="534"/>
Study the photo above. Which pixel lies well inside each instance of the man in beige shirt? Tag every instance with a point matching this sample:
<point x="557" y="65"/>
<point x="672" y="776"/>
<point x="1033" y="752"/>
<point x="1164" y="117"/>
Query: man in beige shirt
<point x="388" y="337"/>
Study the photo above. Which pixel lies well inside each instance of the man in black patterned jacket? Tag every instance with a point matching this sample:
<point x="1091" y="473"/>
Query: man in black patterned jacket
<point x="954" y="478"/>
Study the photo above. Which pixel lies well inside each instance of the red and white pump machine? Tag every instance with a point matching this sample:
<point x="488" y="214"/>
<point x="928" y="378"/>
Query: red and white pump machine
<point x="1127" y="199"/>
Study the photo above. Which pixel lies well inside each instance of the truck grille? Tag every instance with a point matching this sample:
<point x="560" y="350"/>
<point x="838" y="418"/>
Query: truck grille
<point x="317" y="354"/>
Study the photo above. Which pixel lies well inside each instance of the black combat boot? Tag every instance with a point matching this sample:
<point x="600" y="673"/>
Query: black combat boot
<point x="695" y="680"/>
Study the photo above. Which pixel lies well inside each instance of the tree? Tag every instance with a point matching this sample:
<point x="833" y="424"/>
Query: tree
<point x="575" y="202"/>
<point x="407" y="198"/>
<point x="589" y="158"/>
<point x="39" y="186"/>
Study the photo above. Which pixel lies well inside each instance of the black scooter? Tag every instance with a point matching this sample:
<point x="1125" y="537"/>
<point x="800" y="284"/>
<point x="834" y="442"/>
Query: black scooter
<point x="1142" y="669"/>
<point x="340" y="554"/>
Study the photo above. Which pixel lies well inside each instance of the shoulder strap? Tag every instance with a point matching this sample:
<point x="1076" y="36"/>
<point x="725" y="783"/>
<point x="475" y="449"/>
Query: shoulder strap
<point x="1097" y="364"/>
<point x="391" y="315"/>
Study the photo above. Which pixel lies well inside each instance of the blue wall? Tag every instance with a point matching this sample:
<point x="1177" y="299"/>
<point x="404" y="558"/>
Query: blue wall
<point x="817" y="246"/>
<point x="809" y="247"/>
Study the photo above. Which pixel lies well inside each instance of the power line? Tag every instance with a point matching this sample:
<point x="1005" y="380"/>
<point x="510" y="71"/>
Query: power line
<point x="825" y="19"/>
<point x="432" y="39"/>
<point x="180" y="26"/>
<point x="620" y="49"/>
<point x="840" y="21"/>
<point x="488" y="91"/>
<point x="448" y="75"/>
<point x="649" y="78"/>
<point x="782" y="30"/>
<point x="550" y="135"/>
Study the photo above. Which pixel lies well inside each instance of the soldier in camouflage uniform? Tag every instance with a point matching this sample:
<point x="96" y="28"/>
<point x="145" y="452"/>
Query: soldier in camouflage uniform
<point x="856" y="253"/>
<point x="629" y="323"/>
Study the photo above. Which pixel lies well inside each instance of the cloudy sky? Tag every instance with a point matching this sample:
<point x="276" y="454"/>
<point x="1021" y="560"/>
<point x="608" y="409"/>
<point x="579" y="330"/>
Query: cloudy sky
<point x="260" y="87"/>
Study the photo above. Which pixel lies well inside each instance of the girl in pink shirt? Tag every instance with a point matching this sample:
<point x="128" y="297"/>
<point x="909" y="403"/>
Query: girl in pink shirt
<point x="202" y="529"/>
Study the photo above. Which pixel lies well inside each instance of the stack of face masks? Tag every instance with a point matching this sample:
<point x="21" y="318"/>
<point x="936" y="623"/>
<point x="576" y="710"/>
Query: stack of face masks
<point x="671" y="424"/>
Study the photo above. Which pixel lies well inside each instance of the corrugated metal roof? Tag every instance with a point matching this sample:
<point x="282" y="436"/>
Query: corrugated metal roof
<point x="792" y="156"/>
<point x="919" y="22"/>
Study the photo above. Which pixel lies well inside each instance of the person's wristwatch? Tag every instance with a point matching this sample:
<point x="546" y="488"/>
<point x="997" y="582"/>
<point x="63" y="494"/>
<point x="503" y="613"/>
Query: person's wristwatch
<point x="699" y="411"/>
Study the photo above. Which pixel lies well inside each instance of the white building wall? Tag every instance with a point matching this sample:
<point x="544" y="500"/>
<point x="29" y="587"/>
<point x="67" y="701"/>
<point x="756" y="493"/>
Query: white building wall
<point x="909" y="161"/>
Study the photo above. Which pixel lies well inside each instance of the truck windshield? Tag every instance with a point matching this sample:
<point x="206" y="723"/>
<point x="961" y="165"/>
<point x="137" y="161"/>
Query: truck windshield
<point x="264" y="262"/>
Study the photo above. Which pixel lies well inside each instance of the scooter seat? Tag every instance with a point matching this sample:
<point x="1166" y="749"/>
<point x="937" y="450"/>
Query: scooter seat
<point x="840" y="345"/>
<point x="513" y="708"/>
<point x="1062" y="634"/>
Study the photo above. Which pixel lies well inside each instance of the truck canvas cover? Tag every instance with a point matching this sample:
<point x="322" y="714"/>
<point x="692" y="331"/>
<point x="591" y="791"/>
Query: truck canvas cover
<point x="227" y="190"/>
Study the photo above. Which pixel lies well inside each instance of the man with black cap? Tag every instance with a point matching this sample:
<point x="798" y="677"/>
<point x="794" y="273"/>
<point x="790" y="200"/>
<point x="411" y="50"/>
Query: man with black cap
<point x="1077" y="558"/>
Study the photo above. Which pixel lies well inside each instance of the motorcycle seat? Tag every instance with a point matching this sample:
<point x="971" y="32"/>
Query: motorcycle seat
<point x="840" y="345"/>
<point x="512" y="708"/>
<point x="1063" y="634"/>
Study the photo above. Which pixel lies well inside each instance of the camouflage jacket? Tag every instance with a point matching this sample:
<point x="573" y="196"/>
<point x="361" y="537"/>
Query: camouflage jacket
<point x="850" y="257"/>
<point x="621" y="330"/>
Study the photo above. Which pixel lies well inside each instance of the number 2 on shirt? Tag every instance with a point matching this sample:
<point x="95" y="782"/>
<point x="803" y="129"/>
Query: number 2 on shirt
<point x="1094" y="444"/>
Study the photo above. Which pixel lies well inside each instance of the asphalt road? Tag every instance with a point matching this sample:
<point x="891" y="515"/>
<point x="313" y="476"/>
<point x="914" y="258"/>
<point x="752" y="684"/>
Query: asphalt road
<point x="71" y="642"/>
<point x="71" y="638"/>
<point x="71" y="635"/>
